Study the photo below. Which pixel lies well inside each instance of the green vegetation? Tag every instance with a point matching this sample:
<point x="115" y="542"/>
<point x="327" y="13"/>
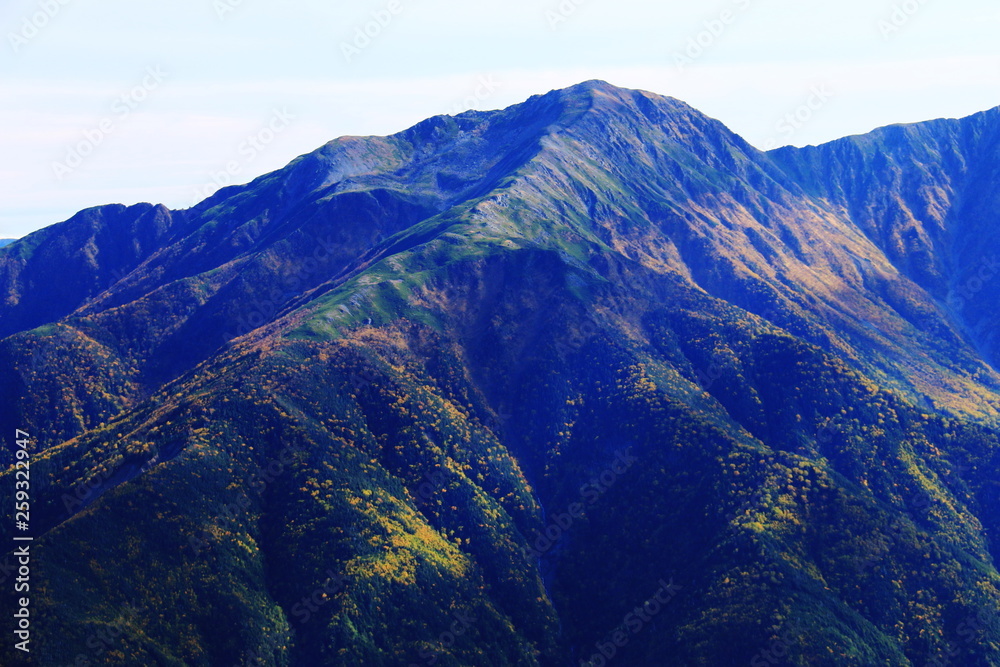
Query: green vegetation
<point x="469" y="394"/>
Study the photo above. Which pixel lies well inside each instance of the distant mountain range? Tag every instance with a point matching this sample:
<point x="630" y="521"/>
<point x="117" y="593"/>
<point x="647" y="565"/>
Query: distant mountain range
<point x="6" y="242"/>
<point x="588" y="380"/>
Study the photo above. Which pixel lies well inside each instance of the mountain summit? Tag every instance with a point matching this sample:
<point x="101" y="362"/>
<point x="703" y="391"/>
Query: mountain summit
<point x="587" y="378"/>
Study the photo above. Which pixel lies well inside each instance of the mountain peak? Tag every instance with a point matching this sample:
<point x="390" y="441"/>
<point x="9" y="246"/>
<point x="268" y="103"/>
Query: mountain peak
<point x="397" y="371"/>
<point x="596" y="86"/>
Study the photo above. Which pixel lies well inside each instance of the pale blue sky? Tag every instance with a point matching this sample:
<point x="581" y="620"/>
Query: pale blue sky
<point x="163" y="95"/>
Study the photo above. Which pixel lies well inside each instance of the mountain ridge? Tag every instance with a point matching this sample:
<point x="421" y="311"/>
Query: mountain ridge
<point x="401" y="372"/>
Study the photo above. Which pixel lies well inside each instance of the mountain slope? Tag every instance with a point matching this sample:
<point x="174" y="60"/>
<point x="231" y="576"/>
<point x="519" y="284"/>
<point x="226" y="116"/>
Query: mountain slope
<point x="925" y="195"/>
<point x="474" y="393"/>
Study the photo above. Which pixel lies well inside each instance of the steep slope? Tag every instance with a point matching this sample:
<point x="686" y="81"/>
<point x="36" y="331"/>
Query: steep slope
<point x="476" y="392"/>
<point x="926" y="195"/>
<point x="91" y="251"/>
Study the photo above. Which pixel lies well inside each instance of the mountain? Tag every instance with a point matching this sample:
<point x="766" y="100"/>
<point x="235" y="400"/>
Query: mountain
<point x="6" y="242"/>
<point x="584" y="380"/>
